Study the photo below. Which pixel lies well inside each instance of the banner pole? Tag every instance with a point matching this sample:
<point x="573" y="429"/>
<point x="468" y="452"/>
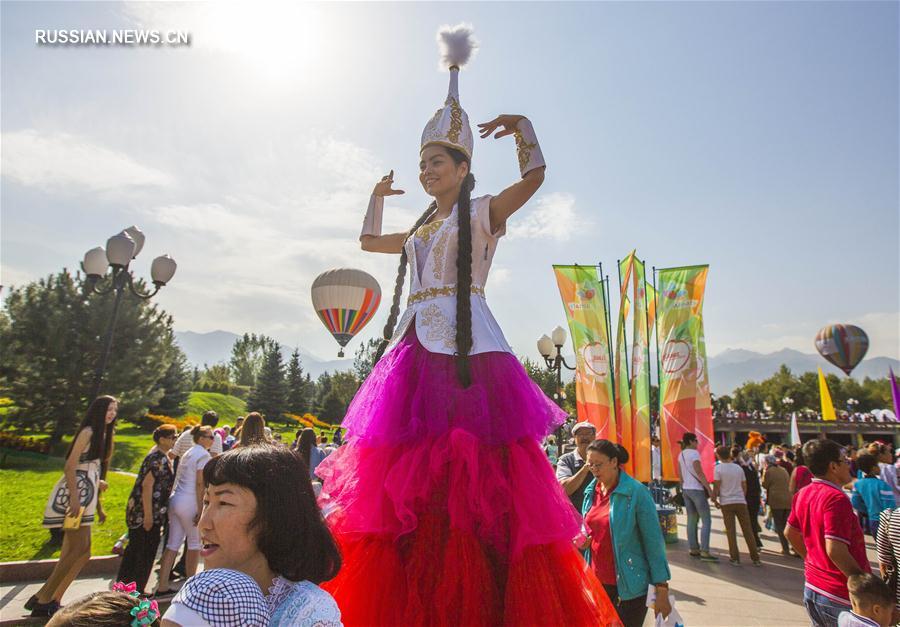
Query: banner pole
<point x="658" y="356"/>
<point x="624" y="326"/>
<point x="610" y="368"/>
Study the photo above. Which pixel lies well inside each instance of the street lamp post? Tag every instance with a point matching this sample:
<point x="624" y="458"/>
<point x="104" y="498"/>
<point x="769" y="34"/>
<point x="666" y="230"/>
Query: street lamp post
<point x="788" y="402"/>
<point x="120" y="250"/>
<point x="851" y="406"/>
<point x="550" y="348"/>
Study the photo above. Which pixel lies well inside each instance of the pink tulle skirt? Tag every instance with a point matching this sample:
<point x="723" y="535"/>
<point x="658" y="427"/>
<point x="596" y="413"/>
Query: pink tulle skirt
<point x="445" y="493"/>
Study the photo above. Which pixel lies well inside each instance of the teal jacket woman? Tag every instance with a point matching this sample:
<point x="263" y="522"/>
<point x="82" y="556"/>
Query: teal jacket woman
<point x="621" y="518"/>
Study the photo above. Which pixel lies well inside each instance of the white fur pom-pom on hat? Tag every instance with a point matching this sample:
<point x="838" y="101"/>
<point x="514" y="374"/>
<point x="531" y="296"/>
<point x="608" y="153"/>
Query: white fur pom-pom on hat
<point x="457" y="44"/>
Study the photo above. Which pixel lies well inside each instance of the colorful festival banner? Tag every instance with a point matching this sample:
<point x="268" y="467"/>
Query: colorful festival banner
<point x="584" y="300"/>
<point x="640" y="376"/>
<point x="623" y="382"/>
<point x="683" y="377"/>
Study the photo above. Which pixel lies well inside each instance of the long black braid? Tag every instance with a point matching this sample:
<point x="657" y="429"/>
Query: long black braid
<point x="463" y="277"/>
<point x="464" y="283"/>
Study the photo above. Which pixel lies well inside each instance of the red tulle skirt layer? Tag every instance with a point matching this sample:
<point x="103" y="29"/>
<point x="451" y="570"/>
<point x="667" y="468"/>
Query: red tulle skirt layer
<point x="445" y="507"/>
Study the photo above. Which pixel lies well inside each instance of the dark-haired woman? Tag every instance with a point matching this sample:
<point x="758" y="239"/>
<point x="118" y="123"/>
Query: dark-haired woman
<point x="260" y="517"/>
<point x="253" y="431"/>
<point x="627" y="549"/>
<point x="308" y="451"/>
<point x="184" y="507"/>
<point x="146" y="509"/>
<point x="91" y="447"/>
<point x="443" y="436"/>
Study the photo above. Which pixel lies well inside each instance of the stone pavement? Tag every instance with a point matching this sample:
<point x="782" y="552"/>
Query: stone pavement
<point x="707" y="595"/>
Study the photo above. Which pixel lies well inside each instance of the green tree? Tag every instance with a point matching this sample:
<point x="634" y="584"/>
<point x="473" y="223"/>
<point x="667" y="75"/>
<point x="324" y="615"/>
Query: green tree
<point x="247" y="357"/>
<point x="296" y="402"/>
<point x="51" y="341"/>
<point x="364" y="359"/>
<point x="269" y="396"/>
<point x="323" y="387"/>
<point x="215" y="378"/>
<point x="176" y="385"/>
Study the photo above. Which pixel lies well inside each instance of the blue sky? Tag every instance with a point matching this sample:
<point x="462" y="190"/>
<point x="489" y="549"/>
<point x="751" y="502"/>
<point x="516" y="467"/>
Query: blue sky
<point x="761" y="138"/>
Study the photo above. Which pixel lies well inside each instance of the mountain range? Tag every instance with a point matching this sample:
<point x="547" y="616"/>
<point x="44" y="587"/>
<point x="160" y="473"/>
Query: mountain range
<point x="215" y="347"/>
<point x="727" y="370"/>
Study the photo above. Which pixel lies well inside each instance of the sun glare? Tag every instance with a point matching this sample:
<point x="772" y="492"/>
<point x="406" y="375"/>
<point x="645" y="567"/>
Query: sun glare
<point x="277" y="39"/>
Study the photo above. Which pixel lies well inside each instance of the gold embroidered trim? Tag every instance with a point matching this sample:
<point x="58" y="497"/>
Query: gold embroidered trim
<point x="455" y="121"/>
<point x="434" y="292"/>
<point x="427" y="230"/>
<point x="437" y="255"/>
<point x="523" y="148"/>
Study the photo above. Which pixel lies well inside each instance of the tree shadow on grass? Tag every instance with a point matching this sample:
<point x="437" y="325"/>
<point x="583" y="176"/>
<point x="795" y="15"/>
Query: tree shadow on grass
<point x="46" y="551"/>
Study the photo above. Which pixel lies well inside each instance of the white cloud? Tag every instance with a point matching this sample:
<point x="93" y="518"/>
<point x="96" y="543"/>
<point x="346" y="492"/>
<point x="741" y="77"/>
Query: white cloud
<point x="552" y="217"/>
<point x="60" y="160"/>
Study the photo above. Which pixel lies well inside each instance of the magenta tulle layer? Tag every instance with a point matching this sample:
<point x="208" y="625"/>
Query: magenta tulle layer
<point x="420" y="445"/>
<point x="412" y="395"/>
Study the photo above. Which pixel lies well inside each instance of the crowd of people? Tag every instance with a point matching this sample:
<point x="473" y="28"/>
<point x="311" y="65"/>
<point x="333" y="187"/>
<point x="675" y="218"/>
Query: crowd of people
<point x="820" y="499"/>
<point x="880" y="415"/>
<point x="237" y="497"/>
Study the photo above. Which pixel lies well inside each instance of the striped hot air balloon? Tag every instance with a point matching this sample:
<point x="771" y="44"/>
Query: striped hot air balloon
<point x="345" y="300"/>
<point x="844" y="345"/>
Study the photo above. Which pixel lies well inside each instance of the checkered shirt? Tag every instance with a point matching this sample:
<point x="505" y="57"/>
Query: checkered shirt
<point x="225" y="598"/>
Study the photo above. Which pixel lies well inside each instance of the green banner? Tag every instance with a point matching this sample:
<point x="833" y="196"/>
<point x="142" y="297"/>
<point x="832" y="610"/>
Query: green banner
<point x="623" y="384"/>
<point x="640" y="376"/>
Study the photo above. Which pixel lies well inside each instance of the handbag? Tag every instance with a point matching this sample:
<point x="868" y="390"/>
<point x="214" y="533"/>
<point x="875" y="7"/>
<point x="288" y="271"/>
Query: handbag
<point x="70" y="523"/>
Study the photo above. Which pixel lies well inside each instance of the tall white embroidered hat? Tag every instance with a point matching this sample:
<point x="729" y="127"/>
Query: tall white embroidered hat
<point x="450" y="124"/>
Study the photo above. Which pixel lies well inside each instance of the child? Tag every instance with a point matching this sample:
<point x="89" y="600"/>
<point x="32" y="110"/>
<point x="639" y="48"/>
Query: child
<point x="871" y="495"/>
<point x="116" y="608"/>
<point x="872" y="601"/>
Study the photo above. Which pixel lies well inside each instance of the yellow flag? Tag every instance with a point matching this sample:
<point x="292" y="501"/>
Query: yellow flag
<point x="827" y="405"/>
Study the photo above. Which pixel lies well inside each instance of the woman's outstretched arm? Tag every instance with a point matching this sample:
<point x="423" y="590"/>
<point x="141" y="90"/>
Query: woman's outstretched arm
<point x="370" y="237"/>
<point x="531" y="166"/>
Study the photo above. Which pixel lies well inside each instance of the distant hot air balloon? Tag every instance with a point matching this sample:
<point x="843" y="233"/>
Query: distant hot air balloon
<point x="345" y="300"/>
<point x="844" y="345"/>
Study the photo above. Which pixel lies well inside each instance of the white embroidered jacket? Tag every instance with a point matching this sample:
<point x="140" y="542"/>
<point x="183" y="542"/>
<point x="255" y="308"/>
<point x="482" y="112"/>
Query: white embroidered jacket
<point x="432" y="299"/>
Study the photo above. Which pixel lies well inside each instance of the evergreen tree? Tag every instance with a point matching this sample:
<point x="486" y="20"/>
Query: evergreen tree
<point x="51" y="339"/>
<point x="296" y="386"/>
<point x="270" y="394"/>
<point x="176" y="386"/>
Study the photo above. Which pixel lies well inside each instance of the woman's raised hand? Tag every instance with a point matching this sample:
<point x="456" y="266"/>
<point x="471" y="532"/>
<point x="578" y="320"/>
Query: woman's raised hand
<point x="507" y="121"/>
<point x="384" y="187"/>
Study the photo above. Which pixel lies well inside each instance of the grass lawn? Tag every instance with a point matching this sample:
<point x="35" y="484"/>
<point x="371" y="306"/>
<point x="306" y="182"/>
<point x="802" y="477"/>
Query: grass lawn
<point x="228" y="407"/>
<point x="25" y="483"/>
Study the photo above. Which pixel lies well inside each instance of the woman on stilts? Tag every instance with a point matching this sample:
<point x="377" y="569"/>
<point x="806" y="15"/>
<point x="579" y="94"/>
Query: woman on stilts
<point x="442" y="501"/>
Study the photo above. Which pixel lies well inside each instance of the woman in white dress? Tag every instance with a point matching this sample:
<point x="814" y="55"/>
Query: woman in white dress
<point x="184" y="507"/>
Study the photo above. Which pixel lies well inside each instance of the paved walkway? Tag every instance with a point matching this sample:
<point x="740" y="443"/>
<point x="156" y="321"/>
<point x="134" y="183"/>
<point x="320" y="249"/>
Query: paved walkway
<point x="707" y="595"/>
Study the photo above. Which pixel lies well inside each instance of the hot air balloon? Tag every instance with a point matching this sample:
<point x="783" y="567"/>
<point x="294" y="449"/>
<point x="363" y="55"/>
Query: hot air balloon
<point x="345" y="300"/>
<point x="844" y="345"/>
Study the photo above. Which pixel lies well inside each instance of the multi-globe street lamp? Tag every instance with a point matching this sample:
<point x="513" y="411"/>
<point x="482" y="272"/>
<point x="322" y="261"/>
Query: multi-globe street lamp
<point x="550" y="348"/>
<point x="851" y="405"/>
<point x="120" y="250"/>
<point x="788" y="402"/>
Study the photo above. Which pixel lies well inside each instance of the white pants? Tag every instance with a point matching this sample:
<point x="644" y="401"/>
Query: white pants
<point x="182" y="509"/>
